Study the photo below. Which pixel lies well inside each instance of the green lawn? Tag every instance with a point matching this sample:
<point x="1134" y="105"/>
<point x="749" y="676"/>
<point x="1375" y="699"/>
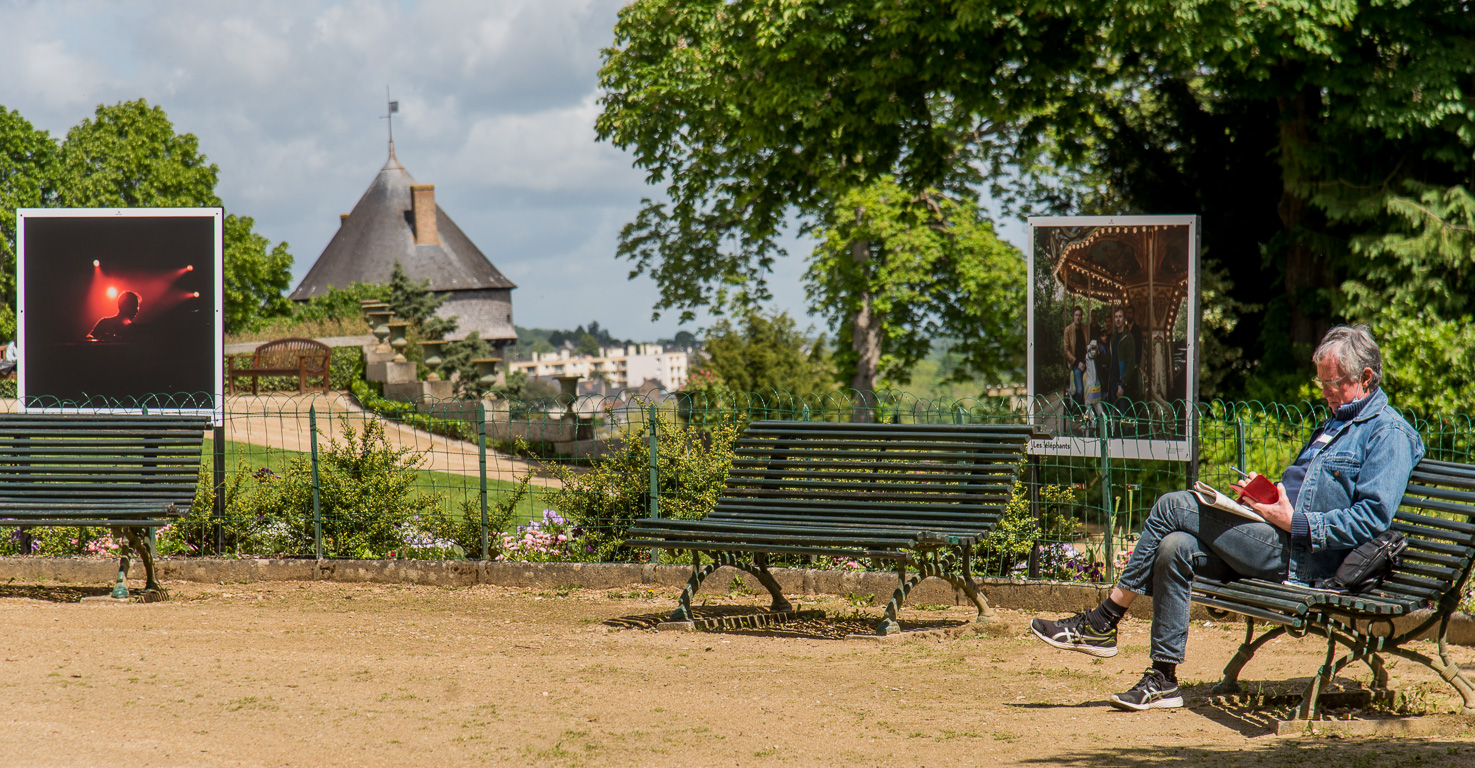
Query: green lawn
<point x="455" y="488"/>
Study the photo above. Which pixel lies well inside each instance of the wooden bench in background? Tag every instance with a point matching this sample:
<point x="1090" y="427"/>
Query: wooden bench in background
<point x="1436" y="519"/>
<point x="126" y="472"/>
<point x="304" y="358"/>
<point x="916" y="496"/>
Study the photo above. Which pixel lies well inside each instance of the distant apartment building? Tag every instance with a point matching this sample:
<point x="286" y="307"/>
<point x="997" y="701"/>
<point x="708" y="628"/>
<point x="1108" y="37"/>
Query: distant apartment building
<point x="622" y="367"/>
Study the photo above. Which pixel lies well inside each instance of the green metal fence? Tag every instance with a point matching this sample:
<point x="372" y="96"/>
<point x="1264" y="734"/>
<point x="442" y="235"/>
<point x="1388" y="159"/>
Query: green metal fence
<point x="329" y="476"/>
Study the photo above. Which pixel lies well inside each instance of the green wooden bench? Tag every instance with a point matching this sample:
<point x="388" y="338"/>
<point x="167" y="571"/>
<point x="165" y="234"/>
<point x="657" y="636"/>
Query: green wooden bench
<point x="911" y="495"/>
<point x="130" y="473"/>
<point x="1436" y="517"/>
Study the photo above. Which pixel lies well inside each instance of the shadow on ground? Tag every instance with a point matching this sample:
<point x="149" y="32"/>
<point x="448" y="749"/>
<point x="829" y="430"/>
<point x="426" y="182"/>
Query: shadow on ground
<point x="1310" y="753"/>
<point x="819" y="628"/>
<point x="1263" y="704"/>
<point x="51" y="593"/>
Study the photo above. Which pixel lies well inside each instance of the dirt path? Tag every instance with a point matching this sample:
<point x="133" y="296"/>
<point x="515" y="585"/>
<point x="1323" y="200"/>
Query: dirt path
<point x="282" y="421"/>
<point x="313" y="673"/>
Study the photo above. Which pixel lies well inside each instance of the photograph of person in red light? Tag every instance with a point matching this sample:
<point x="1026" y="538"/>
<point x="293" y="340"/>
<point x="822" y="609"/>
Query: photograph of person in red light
<point x="116" y="327"/>
<point x="119" y="308"/>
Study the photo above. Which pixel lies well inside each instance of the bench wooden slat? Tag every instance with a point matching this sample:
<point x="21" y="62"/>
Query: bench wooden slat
<point x="889" y="431"/>
<point x="791" y="454"/>
<point x="1440" y="493"/>
<point x="913" y="512"/>
<point x="796" y="527"/>
<point x="1414" y="554"/>
<point x="1432" y="538"/>
<point x="1459" y="526"/>
<point x="1443" y="506"/>
<point x="894" y="466"/>
<point x="1441" y="477"/>
<point x="746" y="474"/>
<point x="773" y="549"/>
<point x="878" y="499"/>
<point x="900" y="448"/>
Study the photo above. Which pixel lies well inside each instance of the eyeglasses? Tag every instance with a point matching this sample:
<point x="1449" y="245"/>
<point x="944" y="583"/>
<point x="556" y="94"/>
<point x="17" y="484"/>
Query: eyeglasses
<point x="1332" y="382"/>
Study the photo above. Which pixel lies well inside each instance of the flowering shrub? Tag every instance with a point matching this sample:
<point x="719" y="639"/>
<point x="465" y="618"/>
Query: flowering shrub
<point x="1006" y="550"/>
<point x="421" y="544"/>
<point x="551" y="539"/>
<point x="20" y="544"/>
<point x="839" y="564"/>
<point x="103" y="545"/>
<point x="1065" y="562"/>
<point x="605" y="500"/>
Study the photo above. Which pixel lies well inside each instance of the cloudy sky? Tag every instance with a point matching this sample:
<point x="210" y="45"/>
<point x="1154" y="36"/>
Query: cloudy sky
<point x="497" y="106"/>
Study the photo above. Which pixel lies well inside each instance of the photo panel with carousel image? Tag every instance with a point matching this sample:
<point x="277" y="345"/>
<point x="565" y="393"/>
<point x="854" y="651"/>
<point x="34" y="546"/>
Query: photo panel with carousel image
<point x="1113" y="331"/>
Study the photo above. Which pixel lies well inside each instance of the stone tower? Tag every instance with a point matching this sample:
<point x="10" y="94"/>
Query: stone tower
<point x="398" y="220"/>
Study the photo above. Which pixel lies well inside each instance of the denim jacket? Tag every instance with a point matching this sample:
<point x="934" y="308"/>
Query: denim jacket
<point x="1353" y="487"/>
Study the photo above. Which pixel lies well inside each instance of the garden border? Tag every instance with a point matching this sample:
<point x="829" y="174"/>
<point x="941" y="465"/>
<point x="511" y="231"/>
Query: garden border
<point x="1016" y="594"/>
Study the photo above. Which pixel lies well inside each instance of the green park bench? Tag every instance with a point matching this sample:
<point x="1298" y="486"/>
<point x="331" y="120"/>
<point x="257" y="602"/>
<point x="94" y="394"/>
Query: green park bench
<point x="917" y="496"/>
<point x="126" y="472"/>
<point x="1435" y="518"/>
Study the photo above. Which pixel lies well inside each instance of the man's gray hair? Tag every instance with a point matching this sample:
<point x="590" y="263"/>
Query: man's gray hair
<point x="1354" y="349"/>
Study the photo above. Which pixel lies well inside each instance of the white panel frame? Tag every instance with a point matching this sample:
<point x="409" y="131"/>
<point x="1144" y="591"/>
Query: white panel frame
<point x="217" y="410"/>
<point x="1185" y="450"/>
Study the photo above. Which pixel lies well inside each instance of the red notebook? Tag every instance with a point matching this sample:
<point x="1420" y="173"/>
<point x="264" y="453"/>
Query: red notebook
<point x="1259" y="490"/>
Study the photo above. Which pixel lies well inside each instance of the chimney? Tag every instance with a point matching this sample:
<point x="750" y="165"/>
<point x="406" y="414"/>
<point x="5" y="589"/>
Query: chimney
<point x="422" y="198"/>
<point x="342" y="219"/>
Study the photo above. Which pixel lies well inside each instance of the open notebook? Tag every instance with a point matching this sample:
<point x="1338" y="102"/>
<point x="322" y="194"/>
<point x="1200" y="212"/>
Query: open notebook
<point x="1208" y="495"/>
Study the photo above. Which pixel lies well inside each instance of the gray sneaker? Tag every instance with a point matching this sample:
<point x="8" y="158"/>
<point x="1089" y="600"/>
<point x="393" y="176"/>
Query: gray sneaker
<point x="1154" y="691"/>
<point x="1075" y="633"/>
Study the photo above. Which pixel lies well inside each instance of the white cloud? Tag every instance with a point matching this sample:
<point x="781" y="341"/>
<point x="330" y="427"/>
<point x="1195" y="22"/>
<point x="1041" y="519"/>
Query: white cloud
<point x="546" y="151"/>
<point x="498" y="102"/>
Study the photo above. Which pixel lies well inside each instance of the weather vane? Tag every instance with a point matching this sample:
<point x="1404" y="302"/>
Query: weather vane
<point x="393" y="110"/>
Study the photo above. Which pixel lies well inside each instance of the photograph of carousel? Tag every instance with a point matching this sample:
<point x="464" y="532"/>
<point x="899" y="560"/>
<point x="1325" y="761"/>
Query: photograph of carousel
<point x="1113" y="334"/>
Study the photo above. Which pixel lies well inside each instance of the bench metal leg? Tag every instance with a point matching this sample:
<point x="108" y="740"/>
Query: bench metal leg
<point x="1230" y="683"/>
<point x="970" y="588"/>
<point x="1309" y="709"/>
<point x="1442" y="664"/>
<point x="889" y="622"/>
<point x="759" y="571"/>
<point x="699" y="573"/>
<point x="120" y="589"/>
<point x="140" y="542"/>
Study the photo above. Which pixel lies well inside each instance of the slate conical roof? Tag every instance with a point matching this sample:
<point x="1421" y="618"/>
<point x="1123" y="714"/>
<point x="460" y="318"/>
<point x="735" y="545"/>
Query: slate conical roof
<point x="380" y="232"/>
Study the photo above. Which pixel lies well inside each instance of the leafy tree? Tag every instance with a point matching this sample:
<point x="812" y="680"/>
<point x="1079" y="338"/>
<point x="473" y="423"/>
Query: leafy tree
<point x="750" y="112"/>
<point x="417" y="304"/>
<point x="457" y="356"/>
<point x="767" y="351"/>
<point x="338" y="303"/>
<point x="256" y="278"/>
<point x="1417" y="291"/>
<point x="1287" y="124"/>
<point x="127" y="155"/>
<point x="587" y="344"/>
<point x="895" y="270"/>
<point x="26" y="156"/>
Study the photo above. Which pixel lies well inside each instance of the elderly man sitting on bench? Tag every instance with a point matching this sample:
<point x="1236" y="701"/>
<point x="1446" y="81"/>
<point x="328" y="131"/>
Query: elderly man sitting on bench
<point x="1341" y="491"/>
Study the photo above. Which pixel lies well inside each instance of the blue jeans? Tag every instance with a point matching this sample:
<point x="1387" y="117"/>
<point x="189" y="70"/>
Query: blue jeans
<point x="1079" y="379"/>
<point x="1181" y="539"/>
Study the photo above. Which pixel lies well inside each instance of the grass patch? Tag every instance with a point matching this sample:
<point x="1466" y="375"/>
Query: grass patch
<point x="455" y="488"/>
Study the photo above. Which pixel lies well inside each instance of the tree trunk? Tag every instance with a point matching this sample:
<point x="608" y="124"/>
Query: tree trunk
<point x="865" y="337"/>
<point x="1306" y="270"/>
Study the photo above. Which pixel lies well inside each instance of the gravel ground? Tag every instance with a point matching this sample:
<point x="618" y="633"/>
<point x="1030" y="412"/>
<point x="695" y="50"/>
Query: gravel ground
<point x="316" y="673"/>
